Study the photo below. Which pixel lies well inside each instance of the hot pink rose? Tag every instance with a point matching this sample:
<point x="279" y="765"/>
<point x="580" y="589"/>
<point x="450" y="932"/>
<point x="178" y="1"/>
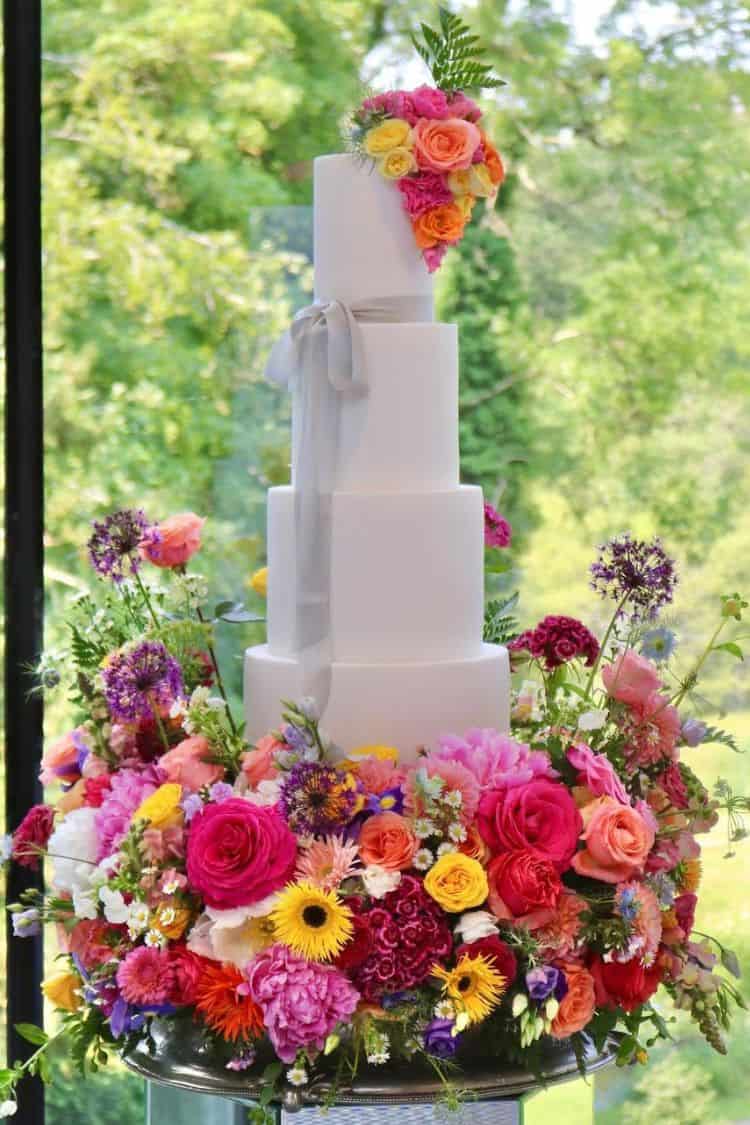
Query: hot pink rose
<point x="430" y="102"/>
<point x="258" y="764"/>
<point x="239" y="853"/>
<point x="541" y="816"/>
<point x="188" y="764"/>
<point x="459" y="105"/>
<point x="174" y="541"/>
<point x="445" y="146"/>
<point x="617" y="841"/>
<point x="630" y="678"/>
<point x="396" y="103"/>
<point x="596" y="772"/>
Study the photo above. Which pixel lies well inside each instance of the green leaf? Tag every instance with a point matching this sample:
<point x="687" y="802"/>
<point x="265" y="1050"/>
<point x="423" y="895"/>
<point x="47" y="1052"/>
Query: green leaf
<point x="453" y="55"/>
<point x="31" y="1033"/>
<point x="625" y="1050"/>
<point x="731" y="647"/>
<point x="731" y="963"/>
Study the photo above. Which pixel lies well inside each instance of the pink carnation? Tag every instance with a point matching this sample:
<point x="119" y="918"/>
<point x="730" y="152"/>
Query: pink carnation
<point x="558" y="938"/>
<point x="302" y="1002"/>
<point x="128" y="789"/>
<point x="652" y="731"/>
<point x="597" y="773"/>
<point x="423" y="192"/>
<point x="459" y="105"/>
<point x="146" y="976"/>
<point x="496" y="760"/>
<point x="454" y="774"/>
<point x="378" y="774"/>
<point x="396" y="103"/>
<point x="631" y="678"/>
<point x="428" y="101"/>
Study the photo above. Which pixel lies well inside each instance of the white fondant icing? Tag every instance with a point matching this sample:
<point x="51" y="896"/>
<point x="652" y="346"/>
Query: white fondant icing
<point x="392" y="704"/>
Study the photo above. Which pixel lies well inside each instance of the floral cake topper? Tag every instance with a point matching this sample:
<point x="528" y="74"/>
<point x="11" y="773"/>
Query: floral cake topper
<point x="429" y="142"/>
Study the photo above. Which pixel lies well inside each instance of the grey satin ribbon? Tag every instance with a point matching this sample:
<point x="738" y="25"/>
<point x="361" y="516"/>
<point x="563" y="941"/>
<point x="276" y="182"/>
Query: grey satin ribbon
<point x="320" y="360"/>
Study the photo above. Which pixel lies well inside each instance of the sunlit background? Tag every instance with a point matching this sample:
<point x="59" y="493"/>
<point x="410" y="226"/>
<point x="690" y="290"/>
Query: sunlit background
<point x="603" y="312"/>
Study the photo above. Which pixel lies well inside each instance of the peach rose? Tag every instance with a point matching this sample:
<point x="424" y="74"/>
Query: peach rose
<point x="493" y="160"/>
<point x="258" y="764"/>
<point x="60" y="760"/>
<point x="188" y="764"/>
<point x="577" y="1005"/>
<point x="445" y="146"/>
<point x="442" y="224"/>
<point x="174" y="541"/>
<point x="387" y="841"/>
<point x="617" y="840"/>
<point x="630" y="678"/>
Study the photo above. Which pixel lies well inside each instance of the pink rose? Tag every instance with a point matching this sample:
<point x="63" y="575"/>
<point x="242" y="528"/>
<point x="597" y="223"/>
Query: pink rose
<point x="630" y="678"/>
<point x="596" y="772"/>
<point x="617" y="841"/>
<point x="239" y="853"/>
<point x="60" y="760"/>
<point x="258" y="764"/>
<point x="445" y="146"/>
<point x="188" y="765"/>
<point x="541" y="816"/>
<point x="174" y="541"/>
<point x="430" y="102"/>
<point x="461" y="106"/>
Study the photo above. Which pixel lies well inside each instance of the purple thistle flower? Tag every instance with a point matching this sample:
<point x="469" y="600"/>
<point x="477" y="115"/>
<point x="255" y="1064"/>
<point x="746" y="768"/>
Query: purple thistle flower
<point x="140" y="678"/>
<point x="114" y="544"/>
<point x="637" y="569"/>
<point x="316" y="798"/>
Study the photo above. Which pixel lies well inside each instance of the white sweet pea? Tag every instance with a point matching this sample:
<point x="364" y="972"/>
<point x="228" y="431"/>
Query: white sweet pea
<point x="8" y="1108"/>
<point x="378" y="881"/>
<point x="475" y="925"/>
<point x="592" y="720"/>
<point x="6" y="850"/>
<point x="84" y="903"/>
<point x="266" y="792"/>
<point x="116" y="910"/>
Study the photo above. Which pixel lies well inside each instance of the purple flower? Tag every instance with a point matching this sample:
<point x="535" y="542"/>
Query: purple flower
<point x="26" y="923"/>
<point x="390" y="800"/>
<point x="497" y="532"/>
<point x="243" y="1061"/>
<point x="693" y="731"/>
<point x="191" y="805"/>
<point x="140" y="679"/>
<point x="438" y="1039"/>
<point x="636" y="570"/>
<point x="221" y="791"/>
<point x="316" y="798"/>
<point x="114" y="545"/>
<point x="546" y="981"/>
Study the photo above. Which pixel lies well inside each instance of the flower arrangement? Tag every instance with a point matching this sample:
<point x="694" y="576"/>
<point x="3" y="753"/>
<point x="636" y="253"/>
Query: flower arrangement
<point x="536" y="883"/>
<point x="428" y="141"/>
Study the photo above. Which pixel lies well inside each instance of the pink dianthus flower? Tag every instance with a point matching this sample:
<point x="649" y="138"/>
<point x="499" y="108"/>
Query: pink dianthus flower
<point x="423" y="192"/>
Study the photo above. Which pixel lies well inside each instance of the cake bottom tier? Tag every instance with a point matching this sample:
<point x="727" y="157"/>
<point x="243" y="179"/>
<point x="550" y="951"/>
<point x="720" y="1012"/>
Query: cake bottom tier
<point x="403" y="705"/>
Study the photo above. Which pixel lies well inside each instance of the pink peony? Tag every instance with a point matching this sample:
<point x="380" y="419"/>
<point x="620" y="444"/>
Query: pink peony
<point x="496" y="760"/>
<point x="597" y="773"/>
<point x="454" y="774"/>
<point x="302" y="1002"/>
<point x="146" y="976"/>
<point x="32" y="835"/>
<point x="258" y="764"/>
<point x="423" y="192"/>
<point x="631" y="678"/>
<point x="430" y="102"/>
<point x="127" y="790"/>
<point x="188" y="764"/>
<point x="540" y="816"/>
<point x="459" y="105"/>
<point x="239" y="853"/>
<point x="173" y="542"/>
<point x="375" y="775"/>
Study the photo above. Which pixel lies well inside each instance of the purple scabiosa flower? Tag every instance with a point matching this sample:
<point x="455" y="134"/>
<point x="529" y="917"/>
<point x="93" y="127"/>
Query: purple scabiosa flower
<point x="693" y="731"/>
<point x="546" y="981"/>
<point x="637" y="571"/>
<point x="316" y="798"/>
<point x="497" y="532"/>
<point x="114" y="545"/>
<point x="439" y="1040"/>
<point x="139" y="679"/>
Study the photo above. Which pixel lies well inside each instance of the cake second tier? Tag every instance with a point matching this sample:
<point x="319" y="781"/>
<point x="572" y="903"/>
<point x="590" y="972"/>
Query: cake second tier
<point x="406" y="575"/>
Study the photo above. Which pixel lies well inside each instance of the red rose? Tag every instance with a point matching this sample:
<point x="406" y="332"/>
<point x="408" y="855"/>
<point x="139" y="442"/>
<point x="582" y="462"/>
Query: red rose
<point x="523" y="885"/>
<point x="497" y="952"/>
<point x="541" y="816"/>
<point x="32" y="835"/>
<point x="239" y="853"/>
<point x="624" y="985"/>
<point x="187" y="972"/>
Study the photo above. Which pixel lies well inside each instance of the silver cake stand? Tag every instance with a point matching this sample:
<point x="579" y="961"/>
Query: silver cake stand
<point x="180" y="1058"/>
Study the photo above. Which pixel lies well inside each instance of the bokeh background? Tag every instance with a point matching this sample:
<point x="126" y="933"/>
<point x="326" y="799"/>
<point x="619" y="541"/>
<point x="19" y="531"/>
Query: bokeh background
<point x="603" y="309"/>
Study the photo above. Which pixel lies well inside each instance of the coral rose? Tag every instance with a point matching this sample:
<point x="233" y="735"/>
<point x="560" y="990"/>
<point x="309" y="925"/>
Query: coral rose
<point x="391" y="134"/>
<point x="188" y="764"/>
<point x="617" y="840"/>
<point x="456" y="882"/>
<point x="258" y="764"/>
<point x="442" y="224"/>
<point x="238" y="853"/>
<point x="60" y="760"/>
<point x="387" y="841"/>
<point x="523" y="886"/>
<point x="624" y="984"/>
<point x="444" y="146"/>
<point x="174" y="541"/>
<point x="541" y="816"/>
<point x="630" y="678"/>
<point x="577" y="1005"/>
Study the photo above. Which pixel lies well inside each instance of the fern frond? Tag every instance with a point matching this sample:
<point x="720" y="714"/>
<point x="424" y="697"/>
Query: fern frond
<point x="454" y="55"/>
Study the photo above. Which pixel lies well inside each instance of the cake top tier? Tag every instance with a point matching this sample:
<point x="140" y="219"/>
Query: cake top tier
<point x="364" y="246"/>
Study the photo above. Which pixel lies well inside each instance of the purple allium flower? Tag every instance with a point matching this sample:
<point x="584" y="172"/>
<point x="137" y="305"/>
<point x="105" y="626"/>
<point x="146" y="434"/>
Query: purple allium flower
<point x="438" y="1039"/>
<point x="497" y="532"/>
<point x="638" y="570"/>
<point x="693" y="731"/>
<point x="114" y="544"/>
<point x="556" y="640"/>
<point x="546" y="981"/>
<point x="26" y="923"/>
<point x="139" y="679"/>
<point x="316" y="798"/>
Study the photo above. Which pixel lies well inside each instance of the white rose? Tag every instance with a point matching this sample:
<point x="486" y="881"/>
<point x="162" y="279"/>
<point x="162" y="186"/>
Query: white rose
<point x="72" y="848"/>
<point x="592" y="720"/>
<point x="378" y="881"/>
<point x="475" y="925"/>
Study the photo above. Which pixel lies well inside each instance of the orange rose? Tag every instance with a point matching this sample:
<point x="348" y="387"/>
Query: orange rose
<point x="577" y="1005"/>
<point x="176" y="540"/>
<point x="493" y="160"/>
<point x="617" y="841"/>
<point x="387" y="840"/>
<point x="445" y="146"/>
<point x="442" y="224"/>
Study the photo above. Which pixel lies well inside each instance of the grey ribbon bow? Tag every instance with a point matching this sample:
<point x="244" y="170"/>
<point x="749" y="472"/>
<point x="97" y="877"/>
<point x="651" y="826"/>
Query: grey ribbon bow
<point x="320" y="360"/>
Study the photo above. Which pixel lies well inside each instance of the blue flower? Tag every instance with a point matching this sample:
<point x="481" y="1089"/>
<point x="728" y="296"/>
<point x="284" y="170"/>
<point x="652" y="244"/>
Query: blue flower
<point x="658" y="645"/>
<point x="627" y="904"/>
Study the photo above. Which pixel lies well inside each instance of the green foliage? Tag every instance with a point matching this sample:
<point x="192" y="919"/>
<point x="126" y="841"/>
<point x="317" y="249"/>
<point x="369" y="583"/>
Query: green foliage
<point x="673" y="1091"/>
<point x="454" y="55"/>
<point x="500" y="623"/>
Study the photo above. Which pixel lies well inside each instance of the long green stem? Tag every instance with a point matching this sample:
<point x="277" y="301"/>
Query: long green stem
<point x="603" y="647"/>
<point x="159" y="723"/>
<point x="693" y="675"/>
<point x="217" y="673"/>
<point x="146" y="599"/>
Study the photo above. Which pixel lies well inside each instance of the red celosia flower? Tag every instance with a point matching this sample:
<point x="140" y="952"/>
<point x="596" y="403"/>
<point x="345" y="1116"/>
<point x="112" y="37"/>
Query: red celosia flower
<point x="224" y="1004"/>
<point x="32" y="835"/>
<point x="556" y="640"/>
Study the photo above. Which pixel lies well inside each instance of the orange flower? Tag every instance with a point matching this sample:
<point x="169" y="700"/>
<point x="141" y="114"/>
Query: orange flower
<point x="170" y="920"/>
<point x="178" y="538"/>
<point x="387" y="840"/>
<point x="474" y="846"/>
<point x="445" y="146"/>
<point x="442" y="224"/>
<point x="493" y="160"/>
<point x="224" y="1008"/>
<point x="577" y="1005"/>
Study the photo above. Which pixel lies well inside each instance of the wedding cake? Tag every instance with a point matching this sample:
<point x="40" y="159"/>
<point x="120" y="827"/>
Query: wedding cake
<point x="406" y="658"/>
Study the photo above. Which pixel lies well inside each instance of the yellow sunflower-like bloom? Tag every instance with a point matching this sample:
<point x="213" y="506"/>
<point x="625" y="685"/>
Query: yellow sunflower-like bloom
<point x="313" y="922"/>
<point x="474" y="986"/>
<point x="162" y="808"/>
<point x="457" y="882"/>
<point x="259" y="582"/>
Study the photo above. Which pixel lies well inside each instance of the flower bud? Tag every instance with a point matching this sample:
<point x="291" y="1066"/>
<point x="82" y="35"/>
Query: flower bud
<point x="520" y="1004"/>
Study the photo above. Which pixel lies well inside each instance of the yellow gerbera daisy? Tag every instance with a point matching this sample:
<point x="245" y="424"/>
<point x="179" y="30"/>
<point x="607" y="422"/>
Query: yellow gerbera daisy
<point x="474" y="986"/>
<point x="313" y="922"/>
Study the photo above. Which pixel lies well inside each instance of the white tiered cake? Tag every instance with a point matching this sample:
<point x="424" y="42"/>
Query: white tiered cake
<point x="407" y="540"/>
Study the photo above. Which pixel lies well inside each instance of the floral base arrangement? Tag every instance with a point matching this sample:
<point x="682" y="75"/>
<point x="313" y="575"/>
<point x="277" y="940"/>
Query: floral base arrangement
<point x="295" y="904"/>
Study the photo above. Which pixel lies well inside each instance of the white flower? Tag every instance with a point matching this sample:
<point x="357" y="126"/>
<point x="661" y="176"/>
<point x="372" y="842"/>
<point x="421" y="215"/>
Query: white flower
<point x="423" y="859"/>
<point x="8" y="1108"/>
<point x="6" y="850"/>
<point x="446" y="849"/>
<point x="475" y="925"/>
<point x="84" y="904"/>
<point x="199" y="938"/>
<point x="170" y="887"/>
<point x="445" y="1010"/>
<point x="177" y="710"/>
<point x="266" y="792"/>
<point x="378" y="881"/>
<point x="297" y="1075"/>
<point x="308" y="706"/>
<point x="116" y="909"/>
<point x="200" y="696"/>
<point x="456" y="833"/>
<point x="215" y="703"/>
<point x="378" y="1058"/>
<point x="234" y="935"/>
<point x="424" y="827"/>
<point x="154" y="939"/>
<point x="138" y="917"/>
<point x="592" y="720"/>
<point x="454" y="798"/>
<point x="72" y="848"/>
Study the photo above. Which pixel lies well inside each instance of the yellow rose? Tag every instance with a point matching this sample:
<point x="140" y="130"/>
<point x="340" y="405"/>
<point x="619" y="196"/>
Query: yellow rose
<point x="481" y="181"/>
<point x="393" y="133"/>
<point x="397" y="163"/>
<point x="63" y="990"/>
<point x="382" y="753"/>
<point x="162" y="808"/>
<point x="259" y="582"/>
<point x="457" y="883"/>
<point x="460" y="182"/>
